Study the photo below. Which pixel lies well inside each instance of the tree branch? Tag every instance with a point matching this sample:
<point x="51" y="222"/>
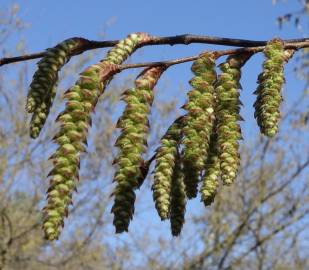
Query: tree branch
<point x="185" y="39"/>
<point x="218" y="54"/>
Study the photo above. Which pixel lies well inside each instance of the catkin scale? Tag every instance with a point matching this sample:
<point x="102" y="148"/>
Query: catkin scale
<point x="132" y="144"/>
<point x="82" y="97"/>
<point x="198" y="121"/>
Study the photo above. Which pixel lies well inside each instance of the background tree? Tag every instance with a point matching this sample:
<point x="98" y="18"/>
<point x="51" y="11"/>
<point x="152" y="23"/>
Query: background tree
<point x="259" y="223"/>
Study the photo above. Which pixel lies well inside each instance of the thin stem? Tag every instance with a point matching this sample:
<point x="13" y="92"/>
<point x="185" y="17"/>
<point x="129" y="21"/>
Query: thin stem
<point x="218" y="54"/>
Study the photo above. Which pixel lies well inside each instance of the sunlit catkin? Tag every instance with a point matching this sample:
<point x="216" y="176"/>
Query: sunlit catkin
<point x="227" y="115"/>
<point x="71" y="138"/>
<point x="269" y="98"/>
<point x="132" y="144"/>
<point x="198" y="121"/>
<point x="164" y="168"/>
<point x="271" y="80"/>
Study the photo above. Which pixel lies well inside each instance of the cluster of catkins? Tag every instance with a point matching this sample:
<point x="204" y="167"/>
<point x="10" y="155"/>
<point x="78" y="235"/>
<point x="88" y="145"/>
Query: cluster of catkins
<point x="72" y="136"/>
<point x="197" y="150"/>
<point x="202" y="145"/>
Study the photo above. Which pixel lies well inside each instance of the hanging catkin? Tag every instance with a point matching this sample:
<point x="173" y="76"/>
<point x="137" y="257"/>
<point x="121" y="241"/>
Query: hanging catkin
<point x="227" y="114"/>
<point x="271" y="80"/>
<point x="198" y="121"/>
<point x="164" y="168"/>
<point x="75" y="121"/>
<point x="210" y="179"/>
<point x="178" y="198"/>
<point x="132" y="144"/>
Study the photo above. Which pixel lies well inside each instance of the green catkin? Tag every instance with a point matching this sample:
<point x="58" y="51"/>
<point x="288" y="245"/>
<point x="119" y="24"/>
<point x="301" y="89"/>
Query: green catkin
<point x="178" y="199"/>
<point x="198" y="121"/>
<point x="210" y="179"/>
<point x="132" y="144"/>
<point x="45" y="78"/>
<point x="271" y="80"/>
<point x="227" y="115"/>
<point x="71" y="138"/>
<point x="164" y="168"/>
<point x="40" y="114"/>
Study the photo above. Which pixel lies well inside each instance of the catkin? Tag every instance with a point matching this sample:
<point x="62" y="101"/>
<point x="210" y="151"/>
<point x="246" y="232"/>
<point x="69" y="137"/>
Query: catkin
<point x="40" y="114"/>
<point x="227" y="114"/>
<point x="271" y="80"/>
<point x="71" y="138"/>
<point x="178" y="199"/>
<point x="212" y="172"/>
<point x="132" y="144"/>
<point x="198" y="121"/>
<point x="164" y="168"/>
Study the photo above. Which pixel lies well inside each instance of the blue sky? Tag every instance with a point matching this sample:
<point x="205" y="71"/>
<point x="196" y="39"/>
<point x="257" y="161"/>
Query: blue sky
<point x="53" y="21"/>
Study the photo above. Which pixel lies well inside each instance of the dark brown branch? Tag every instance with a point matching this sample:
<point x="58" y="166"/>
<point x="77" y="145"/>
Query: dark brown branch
<point x="171" y="40"/>
<point x="85" y="45"/>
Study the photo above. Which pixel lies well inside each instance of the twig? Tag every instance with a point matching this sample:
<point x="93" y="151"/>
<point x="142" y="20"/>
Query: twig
<point x="168" y="63"/>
